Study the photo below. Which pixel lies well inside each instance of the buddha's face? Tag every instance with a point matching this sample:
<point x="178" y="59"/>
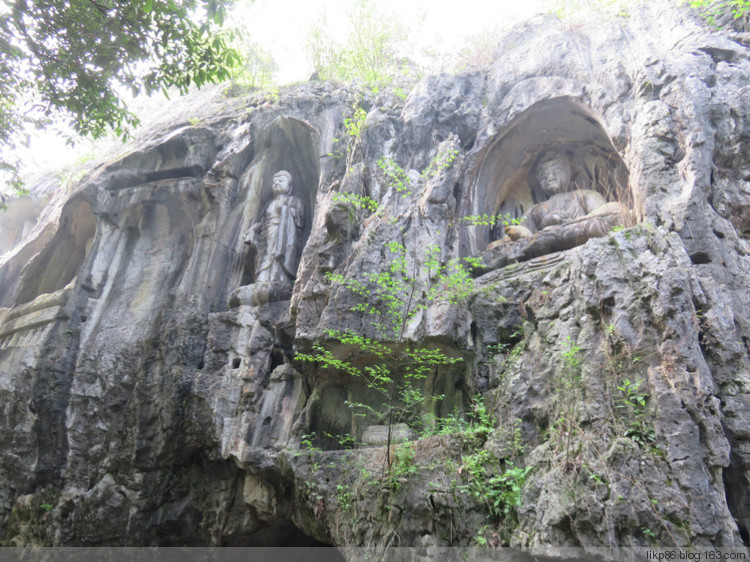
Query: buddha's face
<point x="280" y="183"/>
<point x="554" y="174"/>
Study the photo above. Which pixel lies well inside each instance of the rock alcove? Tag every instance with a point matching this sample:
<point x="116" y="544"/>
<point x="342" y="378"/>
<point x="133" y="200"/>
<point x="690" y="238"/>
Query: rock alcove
<point x="564" y="136"/>
<point x="58" y="264"/>
<point x="285" y="144"/>
<point x="341" y="409"/>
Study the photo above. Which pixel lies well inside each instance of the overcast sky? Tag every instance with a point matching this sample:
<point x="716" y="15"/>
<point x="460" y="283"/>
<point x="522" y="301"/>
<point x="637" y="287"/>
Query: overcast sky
<point x="281" y="26"/>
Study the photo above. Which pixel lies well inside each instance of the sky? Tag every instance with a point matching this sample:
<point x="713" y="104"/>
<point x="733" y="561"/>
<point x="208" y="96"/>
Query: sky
<point x="281" y="27"/>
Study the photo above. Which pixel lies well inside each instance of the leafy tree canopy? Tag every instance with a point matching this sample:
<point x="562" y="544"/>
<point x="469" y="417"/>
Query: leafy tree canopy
<point x="75" y="58"/>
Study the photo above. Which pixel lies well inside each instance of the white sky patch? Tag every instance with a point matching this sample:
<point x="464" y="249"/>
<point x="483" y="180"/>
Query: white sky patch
<point x="281" y="26"/>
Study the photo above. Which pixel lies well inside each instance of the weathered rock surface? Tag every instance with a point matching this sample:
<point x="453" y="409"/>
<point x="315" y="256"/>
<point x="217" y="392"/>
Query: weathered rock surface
<point x="152" y="394"/>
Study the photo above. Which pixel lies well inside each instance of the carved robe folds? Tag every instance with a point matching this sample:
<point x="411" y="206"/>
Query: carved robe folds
<point x="278" y="240"/>
<point x="277" y="237"/>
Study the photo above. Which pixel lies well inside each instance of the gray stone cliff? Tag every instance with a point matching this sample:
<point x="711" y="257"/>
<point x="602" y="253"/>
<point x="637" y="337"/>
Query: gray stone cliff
<point x="150" y="386"/>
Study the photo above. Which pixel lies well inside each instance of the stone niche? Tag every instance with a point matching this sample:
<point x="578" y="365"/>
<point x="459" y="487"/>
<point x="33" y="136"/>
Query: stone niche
<point x="285" y="144"/>
<point x="334" y="417"/>
<point x="262" y="330"/>
<point x="58" y="263"/>
<point x="508" y="183"/>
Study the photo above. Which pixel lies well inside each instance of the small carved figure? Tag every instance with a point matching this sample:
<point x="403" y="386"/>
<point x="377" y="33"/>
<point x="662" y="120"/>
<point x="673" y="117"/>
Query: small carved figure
<point x="276" y="236"/>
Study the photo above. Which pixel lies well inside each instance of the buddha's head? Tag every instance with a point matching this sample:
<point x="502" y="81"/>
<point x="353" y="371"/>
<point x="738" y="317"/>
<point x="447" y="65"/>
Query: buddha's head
<point x="282" y="183"/>
<point x="553" y="173"/>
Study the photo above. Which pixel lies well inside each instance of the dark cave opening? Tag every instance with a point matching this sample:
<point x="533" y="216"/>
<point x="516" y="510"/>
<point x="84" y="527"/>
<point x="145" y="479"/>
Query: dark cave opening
<point x="277" y="359"/>
<point x="277" y="534"/>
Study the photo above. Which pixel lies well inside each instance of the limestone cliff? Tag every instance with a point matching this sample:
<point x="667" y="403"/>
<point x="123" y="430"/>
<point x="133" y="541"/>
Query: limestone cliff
<point x="149" y="374"/>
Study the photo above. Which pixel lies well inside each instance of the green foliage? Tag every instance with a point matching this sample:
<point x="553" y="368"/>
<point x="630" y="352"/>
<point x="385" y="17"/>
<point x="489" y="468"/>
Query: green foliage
<point x="509" y="348"/>
<point x="370" y="52"/>
<point x="569" y="8"/>
<point x="569" y="391"/>
<point x="273" y="94"/>
<point x="495" y="484"/>
<point x="518" y="445"/>
<point x="308" y="443"/>
<point x="388" y="297"/>
<point x="490" y="220"/>
<point x="713" y="11"/>
<point x="471" y="430"/>
<point x="256" y="68"/>
<point x="442" y="161"/>
<point x="572" y="360"/>
<point x="394" y="375"/>
<point x="325" y="55"/>
<point x="396" y="175"/>
<point x="355" y="124"/>
<point x="452" y="278"/>
<point x="399" y="180"/>
<point x="70" y="59"/>
<point x="402" y="466"/>
<point x="504" y="490"/>
<point x="633" y="404"/>
<point x="345" y="441"/>
<point x="496" y="348"/>
<point x="500" y="492"/>
<point x="354" y="127"/>
<point x="357" y="201"/>
<point x="388" y="366"/>
<point x="344" y="496"/>
<point x="479" y="538"/>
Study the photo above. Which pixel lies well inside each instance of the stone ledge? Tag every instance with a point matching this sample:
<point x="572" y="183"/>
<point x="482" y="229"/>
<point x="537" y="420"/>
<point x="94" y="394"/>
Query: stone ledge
<point x="32" y="319"/>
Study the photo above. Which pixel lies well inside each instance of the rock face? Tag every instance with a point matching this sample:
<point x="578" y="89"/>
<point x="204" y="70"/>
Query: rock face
<point x="152" y="389"/>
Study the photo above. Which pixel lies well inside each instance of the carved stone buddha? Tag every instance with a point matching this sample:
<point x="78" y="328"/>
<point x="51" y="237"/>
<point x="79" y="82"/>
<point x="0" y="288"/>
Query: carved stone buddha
<point x="568" y="217"/>
<point x="276" y="236"/>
